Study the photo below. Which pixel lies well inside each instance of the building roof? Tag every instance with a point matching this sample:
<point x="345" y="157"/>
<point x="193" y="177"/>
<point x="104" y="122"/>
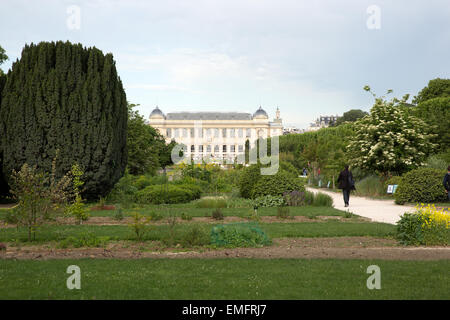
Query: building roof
<point x="261" y="113"/>
<point x="156" y="112"/>
<point x="208" y="116"/>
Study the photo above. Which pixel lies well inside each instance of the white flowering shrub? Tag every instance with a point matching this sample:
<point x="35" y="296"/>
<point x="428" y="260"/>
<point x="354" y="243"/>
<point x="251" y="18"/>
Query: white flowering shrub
<point x="389" y="140"/>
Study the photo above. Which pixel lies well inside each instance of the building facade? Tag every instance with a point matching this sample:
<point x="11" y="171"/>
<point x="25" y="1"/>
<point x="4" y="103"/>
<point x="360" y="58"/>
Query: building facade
<point x="322" y="122"/>
<point x="219" y="136"/>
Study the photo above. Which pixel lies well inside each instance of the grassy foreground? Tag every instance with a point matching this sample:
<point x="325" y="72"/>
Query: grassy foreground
<point x="224" y="279"/>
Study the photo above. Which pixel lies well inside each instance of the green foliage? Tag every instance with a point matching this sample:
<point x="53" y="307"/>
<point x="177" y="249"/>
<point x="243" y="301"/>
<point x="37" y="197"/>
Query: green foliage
<point x="158" y="194"/>
<point x="351" y="116"/>
<point x="186" y="216"/>
<point x="118" y="214"/>
<point x="86" y="239"/>
<point x="436" y="161"/>
<point x="139" y="226"/>
<point x="389" y="140"/>
<point x="3" y="58"/>
<point x="276" y="184"/>
<point x="436" y="114"/>
<point x="249" y="178"/>
<point x="394" y="180"/>
<point x="294" y="198"/>
<point x="195" y="236"/>
<point x="211" y="203"/>
<point x="217" y="214"/>
<point x="239" y="203"/>
<point x="421" y="185"/>
<point x="268" y="201"/>
<point x="283" y="212"/>
<point x="322" y="200"/>
<point x="145" y="145"/>
<point x="62" y="96"/>
<point x="239" y="235"/>
<point x="370" y="186"/>
<point x="436" y="88"/>
<point x="76" y="209"/>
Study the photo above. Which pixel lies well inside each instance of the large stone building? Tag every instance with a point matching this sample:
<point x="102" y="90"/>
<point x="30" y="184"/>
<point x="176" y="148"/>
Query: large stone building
<point x="322" y="122"/>
<point x="220" y="136"/>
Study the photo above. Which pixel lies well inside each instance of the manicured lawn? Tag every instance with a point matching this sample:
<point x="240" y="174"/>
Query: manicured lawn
<point x="224" y="279"/>
<point x="158" y="232"/>
<point x="236" y="212"/>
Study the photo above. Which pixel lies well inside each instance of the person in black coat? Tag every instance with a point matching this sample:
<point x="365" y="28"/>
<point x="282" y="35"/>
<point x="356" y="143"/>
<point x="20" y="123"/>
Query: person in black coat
<point x="346" y="183"/>
<point x="447" y="182"/>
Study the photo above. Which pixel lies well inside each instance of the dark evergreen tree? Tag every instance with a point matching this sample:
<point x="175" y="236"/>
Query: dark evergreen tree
<point x="63" y="96"/>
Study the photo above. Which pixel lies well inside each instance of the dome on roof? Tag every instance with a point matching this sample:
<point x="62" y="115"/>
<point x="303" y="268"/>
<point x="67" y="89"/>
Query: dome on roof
<point x="260" y="114"/>
<point x="157" y="113"/>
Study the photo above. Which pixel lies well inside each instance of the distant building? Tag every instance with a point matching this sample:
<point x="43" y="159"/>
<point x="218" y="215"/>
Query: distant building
<point x="218" y="135"/>
<point x="292" y="130"/>
<point x="322" y="122"/>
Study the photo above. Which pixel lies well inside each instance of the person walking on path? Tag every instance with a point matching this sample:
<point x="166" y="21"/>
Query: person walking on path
<point x="447" y="183"/>
<point x="346" y="183"/>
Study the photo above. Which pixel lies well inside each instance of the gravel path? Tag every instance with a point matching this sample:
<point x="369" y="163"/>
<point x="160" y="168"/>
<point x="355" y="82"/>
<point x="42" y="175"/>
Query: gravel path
<point x="377" y="210"/>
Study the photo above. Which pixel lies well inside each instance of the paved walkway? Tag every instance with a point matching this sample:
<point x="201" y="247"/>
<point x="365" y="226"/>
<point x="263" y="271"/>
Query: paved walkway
<point x="377" y="210"/>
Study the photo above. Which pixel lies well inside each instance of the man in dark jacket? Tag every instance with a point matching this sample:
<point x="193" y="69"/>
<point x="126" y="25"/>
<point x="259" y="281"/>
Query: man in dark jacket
<point x="447" y="182"/>
<point x="346" y="183"/>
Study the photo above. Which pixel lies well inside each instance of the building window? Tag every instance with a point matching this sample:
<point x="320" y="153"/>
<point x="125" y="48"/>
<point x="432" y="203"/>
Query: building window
<point x="200" y="133"/>
<point x="176" y="133"/>
<point x="241" y="148"/>
<point x="184" y="133"/>
<point x="232" y="133"/>
<point x="216" y="133"/>
<point x="224" y="133"/>
<point x="169" y="133"/>
<point x="192" y="148"/>
<point x="232" y="148"/>
<point x="208" y="148"/>
<point x="248" y="133"/>
<point x="208" y="132"/>
<point x="216" y="149"/>
<point x="192" y="132"/>
<point x="200" y="148"/>
<point x="240" y="132"/>
<point x="224" y="148"/>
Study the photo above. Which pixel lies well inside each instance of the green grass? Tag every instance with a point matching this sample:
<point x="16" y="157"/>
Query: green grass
<point x="50" y="233"/>
<point x="224" y="279"/>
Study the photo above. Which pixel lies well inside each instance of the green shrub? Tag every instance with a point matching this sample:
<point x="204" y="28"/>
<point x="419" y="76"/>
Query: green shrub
<point x="11" y="217"/>
<point x="155" y="216"/>
<point x="158" y="194"/>
<point x="195" y="236"/>
<point x="322" y="200"/>
<point x="268" y="201"/>
<point x="277" y="184"/>
<point x="211" y="203"/>
<point x="118" y="214"/>
<point x="421" y="185"/>
<point x="371" y="186"/>
<point x="426" y="226"/>
<point x="186" y="216"/>
<point x="239" y="203"/>
<point x="239" y="235"/>
<point x="217" y="214"/>
<point x="309" y="198"/>
<point x="436" y="161"/>
<point x="394" y="180"/>
<point x="139" y="225"/>
<point x="249" y="177"/>
<point x="283" y="212"/>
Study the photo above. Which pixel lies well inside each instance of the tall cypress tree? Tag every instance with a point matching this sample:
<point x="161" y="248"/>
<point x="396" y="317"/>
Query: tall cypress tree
<point x="62" y="96"/>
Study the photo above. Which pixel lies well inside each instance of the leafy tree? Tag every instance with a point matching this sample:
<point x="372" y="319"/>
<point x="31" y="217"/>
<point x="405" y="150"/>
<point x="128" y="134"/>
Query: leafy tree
<point x="144" y="144"/>
<point x="389" y="140"/>
<point x="437" y="88"/>
<point x="350" y="116"/>
<point x="68" y="97"/>
<point x="3" y="58"/>
<point x="435" y="113"/>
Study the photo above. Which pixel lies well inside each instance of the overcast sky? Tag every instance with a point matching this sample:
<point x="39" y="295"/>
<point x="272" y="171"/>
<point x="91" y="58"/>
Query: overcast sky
<point x="310" y="58"/>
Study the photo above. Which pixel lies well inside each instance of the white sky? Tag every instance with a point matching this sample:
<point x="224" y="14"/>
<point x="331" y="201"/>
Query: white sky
<point x="310" y="58"/>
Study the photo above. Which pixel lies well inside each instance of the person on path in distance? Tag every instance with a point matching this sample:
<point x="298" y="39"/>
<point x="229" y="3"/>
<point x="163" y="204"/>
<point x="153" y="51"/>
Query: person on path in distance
<point x="346" y="183"/>
<point x="447" y="183"/>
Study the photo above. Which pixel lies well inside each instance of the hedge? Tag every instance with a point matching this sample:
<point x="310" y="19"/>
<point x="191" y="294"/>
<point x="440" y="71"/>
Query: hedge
<point x="277" y="184"/>
<point x="421" y="185"/>
<point x="158" y="194"/>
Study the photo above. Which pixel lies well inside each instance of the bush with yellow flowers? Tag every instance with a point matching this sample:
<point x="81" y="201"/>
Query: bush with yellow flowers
<point x="426" y="226"/>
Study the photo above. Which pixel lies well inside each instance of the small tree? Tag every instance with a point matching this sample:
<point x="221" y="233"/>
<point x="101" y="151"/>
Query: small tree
<point x="76" y="209"/>
<point x="389" y="140"/>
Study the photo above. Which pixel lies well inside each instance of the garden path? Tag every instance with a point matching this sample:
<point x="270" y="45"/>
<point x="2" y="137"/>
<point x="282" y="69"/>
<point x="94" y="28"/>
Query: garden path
<point x="377" y="210"/>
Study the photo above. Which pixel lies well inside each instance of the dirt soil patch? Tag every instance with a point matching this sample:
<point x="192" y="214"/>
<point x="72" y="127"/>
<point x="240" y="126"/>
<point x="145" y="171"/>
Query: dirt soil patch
<point x="303" y="248"/>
